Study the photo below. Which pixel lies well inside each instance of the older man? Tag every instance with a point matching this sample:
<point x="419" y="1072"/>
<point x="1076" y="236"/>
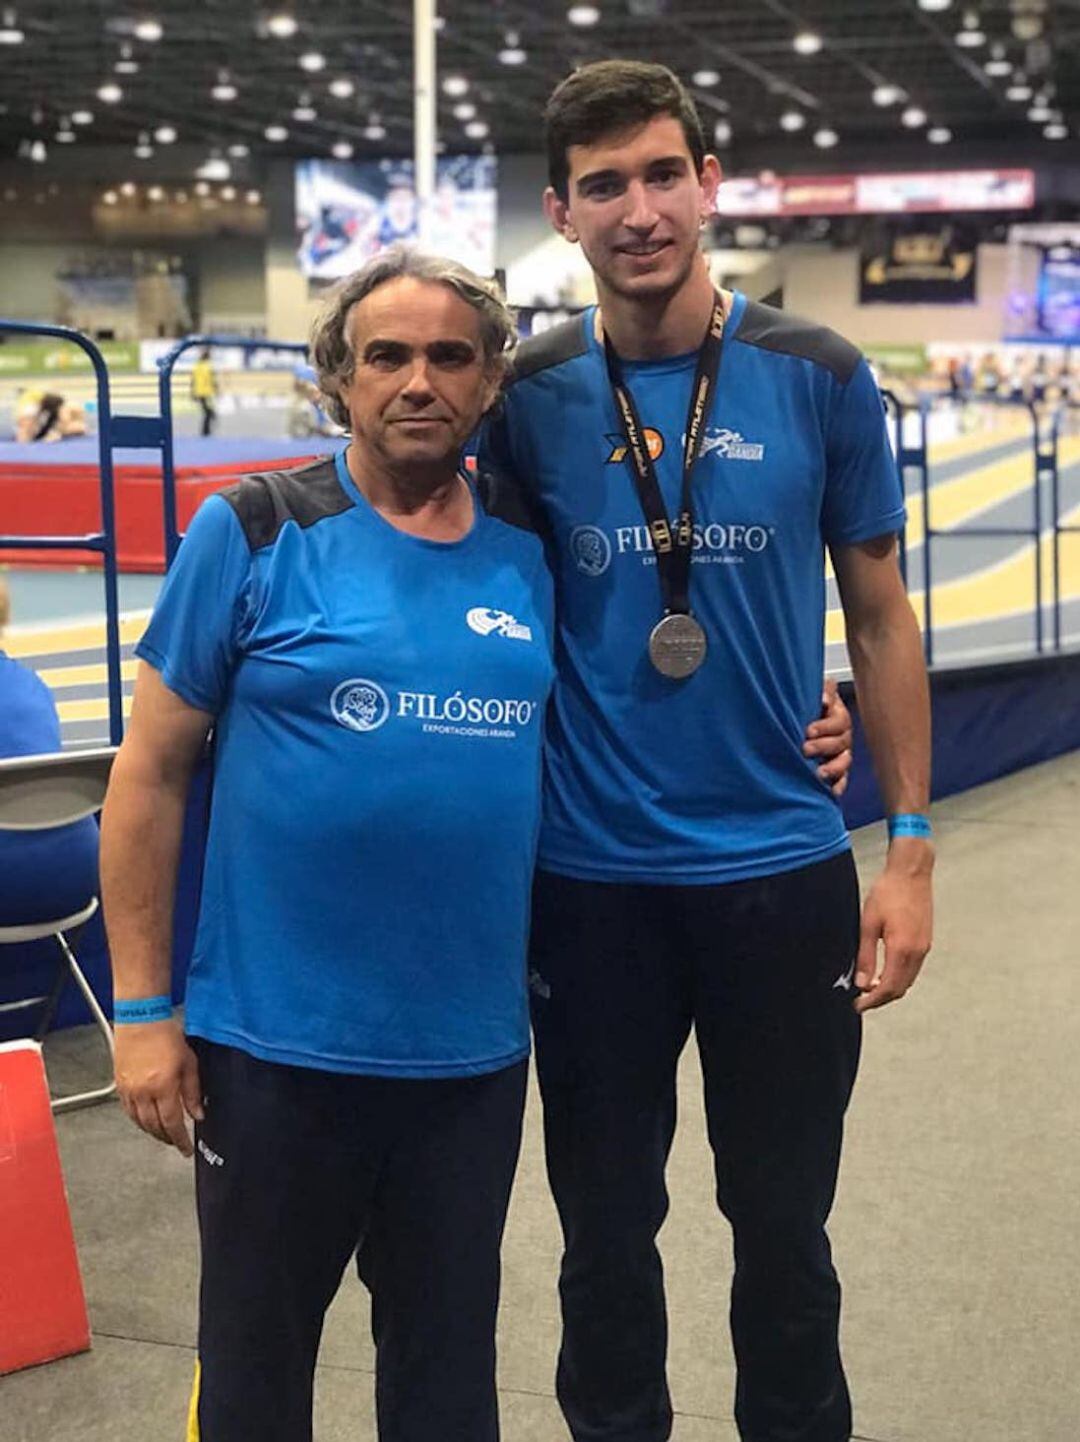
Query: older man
<point x="373" y="654"/>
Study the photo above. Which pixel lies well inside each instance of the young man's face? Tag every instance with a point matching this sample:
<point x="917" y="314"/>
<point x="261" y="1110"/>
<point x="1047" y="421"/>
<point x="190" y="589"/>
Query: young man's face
<point x="421" y="381"/>
<point x="636" y="205"/>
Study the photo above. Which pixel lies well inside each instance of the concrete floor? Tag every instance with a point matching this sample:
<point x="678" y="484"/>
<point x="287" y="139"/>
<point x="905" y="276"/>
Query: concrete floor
<point x="955" y="1229"/>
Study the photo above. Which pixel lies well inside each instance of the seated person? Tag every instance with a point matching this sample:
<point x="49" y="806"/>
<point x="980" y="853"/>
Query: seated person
<point x="306" y="415"/>
<point x="43" y="874"/>
<point x="47" y="416"/>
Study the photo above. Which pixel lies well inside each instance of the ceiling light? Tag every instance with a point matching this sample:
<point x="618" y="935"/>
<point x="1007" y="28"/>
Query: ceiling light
<point x="165" y="135"/>
<point x="224" y="90"/>
<point x="939" y="135"/>
<point x="1055" y="131"/>
<point x="180" y="197"/>
<point x="1027" y="26"/>
<point x="276" y="132"/>
<point x="128" y="188"/>
<point x="304" y="113"/>
<point x="143" y="151"/>
<point x="10" y="34"/>
<point x="110" y="197"/>
<point x="65" y="137"/>
<point x="312" y="61"/>
<point x="342" y="150"/>
<point x="722" y="132"/>
<point x="342" y="88"/>
<point x="512" y="52"/>
<point x="476" y="129"/>
<point x="38" y="153"/>
<point x="281" y="26"/>
<point x="1018" y="90"/>
<point x="825" y="139"/>
<point x="792" y="120"/>
<point x="913" y="117"/>
<point x="970" y="39"/>
<point x="455" y="85"/>
<point x="934" y="6"/>
<point x="155" y="192"/>
<point x="998" y="65"/>
<point x="464" y="111"/>
<point x="110" y="93"/>
<point x="583" y="15"/>
<point x="239" y="151"/>
<point x="1040" y="112"/>
<point x="214" y="169"/>
<point x="253" y="197"/>
<point x="375" y="131"/>
<point x="228" y="192"/>
<point x="705" y="78"/>
<point x="147" y="29"/>
<point x="807" y="42"/>
<point x="887" y="94"/>
<point x="82" y="117"/>
<point x="126" y="67"/>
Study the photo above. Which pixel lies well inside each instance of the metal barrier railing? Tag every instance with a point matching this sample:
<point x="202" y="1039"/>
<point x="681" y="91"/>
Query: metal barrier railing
<point x="114" y="432"/>
<point x="1059" y="529"/>
<point x="1045" y="455"/>
<point x="166" y="366"/>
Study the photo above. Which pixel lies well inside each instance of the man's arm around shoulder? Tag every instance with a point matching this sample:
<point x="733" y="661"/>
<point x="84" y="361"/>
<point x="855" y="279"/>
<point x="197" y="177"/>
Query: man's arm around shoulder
<point x="894" y="701"/>
<point x="142" y="827"/>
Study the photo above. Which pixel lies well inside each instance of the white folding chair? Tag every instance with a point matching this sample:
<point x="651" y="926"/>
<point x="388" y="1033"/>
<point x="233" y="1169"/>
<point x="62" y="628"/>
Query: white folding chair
<point x="37" y="793"/>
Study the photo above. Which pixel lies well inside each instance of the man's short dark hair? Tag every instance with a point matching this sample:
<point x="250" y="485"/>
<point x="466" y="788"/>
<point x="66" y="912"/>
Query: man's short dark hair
<point x="609" y="96"/>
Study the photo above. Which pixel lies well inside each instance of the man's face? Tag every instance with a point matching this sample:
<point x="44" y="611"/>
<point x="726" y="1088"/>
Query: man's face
<point x="420" y="383"/>
<point x="636" y="205"/>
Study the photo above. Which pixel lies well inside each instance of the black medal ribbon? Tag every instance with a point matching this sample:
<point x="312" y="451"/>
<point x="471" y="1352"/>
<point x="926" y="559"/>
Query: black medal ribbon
<point x="672" y="542"/>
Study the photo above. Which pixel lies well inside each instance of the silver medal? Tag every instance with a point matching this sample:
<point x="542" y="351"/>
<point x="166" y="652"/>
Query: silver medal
<point x="677" y="646"/>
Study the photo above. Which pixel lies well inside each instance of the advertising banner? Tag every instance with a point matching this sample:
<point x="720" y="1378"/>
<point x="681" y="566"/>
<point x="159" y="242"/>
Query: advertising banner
<point x="348" y="211"/>
<point x="930" y="266"/>
<point x="23" y="357"/>
<point x="911" y="193"/>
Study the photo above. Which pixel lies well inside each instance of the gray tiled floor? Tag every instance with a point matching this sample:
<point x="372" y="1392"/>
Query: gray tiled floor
<point x="955" y="1228"/>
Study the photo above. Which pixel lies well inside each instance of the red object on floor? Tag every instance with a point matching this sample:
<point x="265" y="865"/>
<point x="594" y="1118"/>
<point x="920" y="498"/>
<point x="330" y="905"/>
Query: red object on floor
<point x="53" y="500"/>
<point x="42" y="1307"/>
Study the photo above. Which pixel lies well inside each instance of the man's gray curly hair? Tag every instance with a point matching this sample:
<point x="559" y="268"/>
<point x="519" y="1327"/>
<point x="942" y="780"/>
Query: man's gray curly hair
<point x="331" y="349"/>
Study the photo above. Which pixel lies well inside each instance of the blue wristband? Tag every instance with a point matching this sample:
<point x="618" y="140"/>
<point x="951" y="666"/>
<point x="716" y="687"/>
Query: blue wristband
<point x="148" y="1008"/>
<point x="910" y="823"/>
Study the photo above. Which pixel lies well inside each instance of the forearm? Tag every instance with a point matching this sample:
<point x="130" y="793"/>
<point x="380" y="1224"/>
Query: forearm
<point x="894" y="704"/>
<point x="142" y="828"/>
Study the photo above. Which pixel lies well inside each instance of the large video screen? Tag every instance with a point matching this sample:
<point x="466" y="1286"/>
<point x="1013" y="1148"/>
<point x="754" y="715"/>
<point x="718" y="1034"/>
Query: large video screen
<point x="347" y="211"/>
<point x="1059" y="296"/>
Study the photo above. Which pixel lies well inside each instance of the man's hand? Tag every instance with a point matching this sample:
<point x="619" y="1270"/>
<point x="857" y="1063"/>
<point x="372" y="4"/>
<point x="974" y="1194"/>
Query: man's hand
<point x="157" y="1076"/>
<point x="830" y="738"/>
<point x="898" y="912"/>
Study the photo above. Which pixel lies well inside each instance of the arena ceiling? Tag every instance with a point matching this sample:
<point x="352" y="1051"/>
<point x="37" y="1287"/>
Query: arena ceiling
<point x="301" y="78"/>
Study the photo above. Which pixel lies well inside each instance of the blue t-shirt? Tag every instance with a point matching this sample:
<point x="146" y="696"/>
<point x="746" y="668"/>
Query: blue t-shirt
<point x="379" y="703"/>
<point x="45" y="875"/>
<point x="701" y="780"/>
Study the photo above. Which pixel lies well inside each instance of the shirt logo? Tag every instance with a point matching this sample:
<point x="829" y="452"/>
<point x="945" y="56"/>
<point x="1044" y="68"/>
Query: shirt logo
<point x="497" y="623"/>
<point x="653" y="440"/>
<point x="359" y="705"/>
<point x="590" y="549"/>
<point x="730" y="445"/>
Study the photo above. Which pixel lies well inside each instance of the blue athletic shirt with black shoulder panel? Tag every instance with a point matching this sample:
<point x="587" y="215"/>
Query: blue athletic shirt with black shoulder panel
<point x="379" y="702"/>
<point x="701" y="780"/>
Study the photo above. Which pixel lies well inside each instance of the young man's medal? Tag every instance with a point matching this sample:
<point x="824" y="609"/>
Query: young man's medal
<point x="677" y="643"/>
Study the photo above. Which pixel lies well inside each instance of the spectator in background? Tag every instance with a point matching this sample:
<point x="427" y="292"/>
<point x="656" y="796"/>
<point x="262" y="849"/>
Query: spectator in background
<point x="47" y="416"/>
<point x="204" y="389"/>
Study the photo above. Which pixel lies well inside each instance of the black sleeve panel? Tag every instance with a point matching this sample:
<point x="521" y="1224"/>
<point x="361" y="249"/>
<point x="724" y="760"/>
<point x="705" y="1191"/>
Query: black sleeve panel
<point x="263" y="503"/>
<point x="774" y="330"/>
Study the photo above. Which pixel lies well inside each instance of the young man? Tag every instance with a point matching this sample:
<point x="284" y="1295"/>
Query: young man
<point x="373" y="653"/>
<point x="687" y="456"/>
